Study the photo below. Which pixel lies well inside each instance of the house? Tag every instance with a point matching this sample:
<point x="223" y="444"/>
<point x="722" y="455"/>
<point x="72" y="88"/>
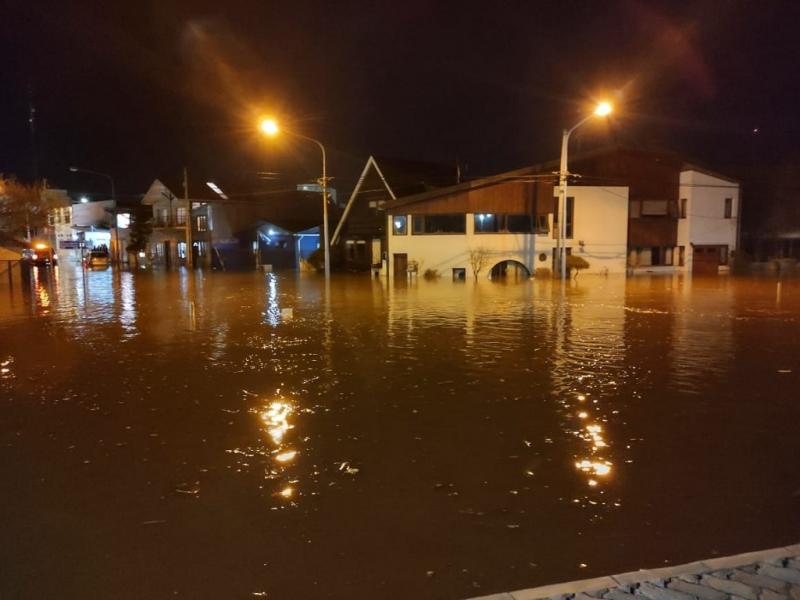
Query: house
<point x="359" y="239"/>
<point x="682" y="217"/>
<point x="505" y="224"/>
<point x="234" y="225"/>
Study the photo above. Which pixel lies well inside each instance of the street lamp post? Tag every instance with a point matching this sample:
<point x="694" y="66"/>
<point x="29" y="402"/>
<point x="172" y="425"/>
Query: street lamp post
<point x="115" y="257"/>
<point x="602" y="110"/>
<point x="270" y="128"/>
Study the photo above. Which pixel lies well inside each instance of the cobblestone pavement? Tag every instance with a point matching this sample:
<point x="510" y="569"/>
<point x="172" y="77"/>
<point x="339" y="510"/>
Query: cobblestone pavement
<point x="765" y="575"/>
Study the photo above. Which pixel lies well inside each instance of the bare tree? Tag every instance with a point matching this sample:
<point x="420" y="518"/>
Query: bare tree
<point x="477" y="260"/>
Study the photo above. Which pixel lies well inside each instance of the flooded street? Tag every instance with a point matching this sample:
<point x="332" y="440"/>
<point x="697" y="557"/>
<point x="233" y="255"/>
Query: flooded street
<point x="251" y="435"/>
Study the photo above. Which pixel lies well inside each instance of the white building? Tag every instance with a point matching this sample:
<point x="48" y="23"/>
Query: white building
<point x="508" y="222"/>
<point x="708" y="223"/>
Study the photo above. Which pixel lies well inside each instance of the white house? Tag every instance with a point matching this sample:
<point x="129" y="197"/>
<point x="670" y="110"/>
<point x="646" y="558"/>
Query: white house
<point x="508" y="222"/>
<point x="708" y="223"/>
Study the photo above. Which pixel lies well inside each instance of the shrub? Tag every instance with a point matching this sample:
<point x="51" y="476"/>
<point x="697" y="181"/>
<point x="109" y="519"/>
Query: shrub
<point x="577" y="264"/>
<point x="431" y="274"/>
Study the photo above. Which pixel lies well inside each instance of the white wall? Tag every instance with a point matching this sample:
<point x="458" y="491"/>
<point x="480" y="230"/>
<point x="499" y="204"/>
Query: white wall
<point x="600" y="222"/>
<point x="705" y="222"/>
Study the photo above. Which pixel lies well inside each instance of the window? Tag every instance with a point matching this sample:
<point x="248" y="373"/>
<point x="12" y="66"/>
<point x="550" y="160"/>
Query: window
<point x="542" y="224"/>
<point x="723" y="252"/>
<point x="181" y="215"/>
<point x="635" y="209"/>
<point x="202" y="223"/>
<point x="459" y="274"/>
<point x="181" y="247"/>
<point x="684" y="202"/>
<point x="162" y="217"/>
<point x="123" y="220"/>
<point x="67" y="215"/>
<point x="672" y="208"/>
<point x="728" y="211"/>
<point x="654" y="207"/>
<point x="421" y="224"/>
<point x="681" y="256"/>
<point x="487" y="223"/>
<point x="399" y="225"/>
<point x="519" y="224"/>
<point x="570" y="218"/>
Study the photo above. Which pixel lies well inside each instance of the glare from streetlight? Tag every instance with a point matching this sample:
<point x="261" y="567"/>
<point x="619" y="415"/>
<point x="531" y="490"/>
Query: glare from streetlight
<point x="84" y="200"/>
<point x="269" y="127"/>
<point x="603" y="109"/>
<point x="74" y="169"/>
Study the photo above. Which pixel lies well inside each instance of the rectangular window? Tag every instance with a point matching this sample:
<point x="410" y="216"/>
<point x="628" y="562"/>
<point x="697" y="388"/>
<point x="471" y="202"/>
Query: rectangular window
<point x="728" y="210"/>
<point x="519" y="223"/>
<point x="400" y="225"/>
<point x="682" y="256"/>
<point x="684" y="202"/>
<point x="67" y="215"/>
<point x="672" y="208"/>
<point x="488" y="223"/>
<point x="361" y="249"/>
<point x="635" y="209"/>
<point x="181" y="215"/>
<point x="723" y="255"/>
<point x="202" y="223"/>
<point x="350" y="249"/>
<point x="542" y="224"/>
<point x="181" y="246"/>
<point x="570" y="218"/>
<point x="422" y="224"/>
<point x="162" y="217"/>
<point x="654" y="208"/>
<point x="459" y="274"/>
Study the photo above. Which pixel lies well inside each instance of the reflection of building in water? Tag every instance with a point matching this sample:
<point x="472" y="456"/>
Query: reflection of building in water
<point x="702" y="347"/>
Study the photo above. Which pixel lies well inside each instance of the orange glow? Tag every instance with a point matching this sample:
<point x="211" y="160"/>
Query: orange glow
<point x="269" y="127"/>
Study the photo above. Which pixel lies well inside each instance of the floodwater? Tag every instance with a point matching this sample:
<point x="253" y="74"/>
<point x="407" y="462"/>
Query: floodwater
<point x="251" y="435"/>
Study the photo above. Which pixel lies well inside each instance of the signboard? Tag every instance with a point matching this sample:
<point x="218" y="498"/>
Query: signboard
<point x="69" y="244"/>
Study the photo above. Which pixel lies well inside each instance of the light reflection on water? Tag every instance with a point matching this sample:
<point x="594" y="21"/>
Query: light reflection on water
<point x="416" y="413"/>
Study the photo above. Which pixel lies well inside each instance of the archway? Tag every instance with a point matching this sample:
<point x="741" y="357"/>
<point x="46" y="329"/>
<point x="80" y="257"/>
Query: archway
<point x="509" y="270"/>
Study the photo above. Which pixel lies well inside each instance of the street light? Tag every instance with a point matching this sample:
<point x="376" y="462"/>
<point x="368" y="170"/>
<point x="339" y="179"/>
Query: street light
<point x="115" y="257"/>
<point x="603" y="109"/>
<point x="269" y="127"/>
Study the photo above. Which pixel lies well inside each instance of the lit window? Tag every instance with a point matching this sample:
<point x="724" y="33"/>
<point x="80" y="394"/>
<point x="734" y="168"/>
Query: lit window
<point x="123" y="220"/>
<point x="399" y="225"/>
<point x="202" y="223"/>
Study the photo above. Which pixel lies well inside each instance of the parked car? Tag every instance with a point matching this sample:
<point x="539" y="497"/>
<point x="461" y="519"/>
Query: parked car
<point x="41" y="254"/>
<point x="97" y="259"/>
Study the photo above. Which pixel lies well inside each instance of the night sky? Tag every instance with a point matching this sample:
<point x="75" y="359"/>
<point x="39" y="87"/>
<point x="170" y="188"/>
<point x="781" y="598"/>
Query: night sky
<point x="140" y="89"/>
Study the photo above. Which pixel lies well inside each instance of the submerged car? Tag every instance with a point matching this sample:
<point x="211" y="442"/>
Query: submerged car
<point x="97" y="259"/>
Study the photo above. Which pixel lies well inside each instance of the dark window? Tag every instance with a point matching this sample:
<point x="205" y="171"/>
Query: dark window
<point x="570" y="218"/>
<point x="459" y="274"/>
<point x="488" y="223"/>
<point x="399" y="225"/>
<point x="728" y="210"/>
<point x="438" y="224"/>
<point x="519" y="224"/>
<point x="672" y="208"/>
<point x="681" y="256"/>
<point x="683" y="208"/>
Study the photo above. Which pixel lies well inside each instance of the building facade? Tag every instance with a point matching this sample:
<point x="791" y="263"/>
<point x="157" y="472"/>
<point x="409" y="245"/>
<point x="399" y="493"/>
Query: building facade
<point x="505" y="225"/>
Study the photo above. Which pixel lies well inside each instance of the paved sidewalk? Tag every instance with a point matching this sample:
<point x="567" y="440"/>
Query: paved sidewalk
<point x="766" y="575"/>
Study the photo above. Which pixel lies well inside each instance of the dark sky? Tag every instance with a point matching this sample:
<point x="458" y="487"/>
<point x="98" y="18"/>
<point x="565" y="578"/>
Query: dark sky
<point x="140" y="89"/>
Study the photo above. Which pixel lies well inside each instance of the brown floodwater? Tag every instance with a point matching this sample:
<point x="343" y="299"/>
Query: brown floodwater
<point x="253" y="435"/>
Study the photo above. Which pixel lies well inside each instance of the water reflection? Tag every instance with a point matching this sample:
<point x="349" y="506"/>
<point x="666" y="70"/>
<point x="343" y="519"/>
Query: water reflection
<point x="422" y="412"/>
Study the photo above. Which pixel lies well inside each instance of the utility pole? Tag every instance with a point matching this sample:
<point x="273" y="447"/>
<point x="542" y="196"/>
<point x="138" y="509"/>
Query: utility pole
<point x="188" y="251"/>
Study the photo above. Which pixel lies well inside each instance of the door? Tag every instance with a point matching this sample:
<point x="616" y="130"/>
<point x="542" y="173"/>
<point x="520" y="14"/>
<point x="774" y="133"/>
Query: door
<point x="376" y="252"/>
<point x="401" y="265"/>
<point x="705" y="260"/>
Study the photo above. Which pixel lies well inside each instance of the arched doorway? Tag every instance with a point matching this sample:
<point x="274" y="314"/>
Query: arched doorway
<point x="509" y="270"/>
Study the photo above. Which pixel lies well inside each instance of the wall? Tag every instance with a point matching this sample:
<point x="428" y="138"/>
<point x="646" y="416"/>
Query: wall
<point x="705" y="223"/>
<point x="600" y="222"/>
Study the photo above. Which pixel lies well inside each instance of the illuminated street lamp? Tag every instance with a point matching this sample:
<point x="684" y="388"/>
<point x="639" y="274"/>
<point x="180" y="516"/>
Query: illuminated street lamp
<point x="269" y="127"/>
<point x="603" y="109"/>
